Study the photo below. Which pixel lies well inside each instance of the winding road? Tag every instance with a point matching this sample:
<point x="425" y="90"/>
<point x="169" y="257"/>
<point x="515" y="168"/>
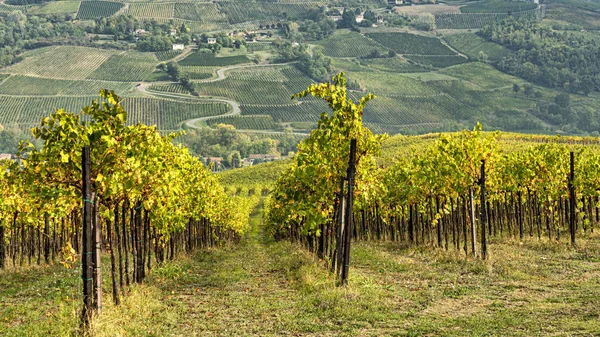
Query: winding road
<point x="192" y="123"/>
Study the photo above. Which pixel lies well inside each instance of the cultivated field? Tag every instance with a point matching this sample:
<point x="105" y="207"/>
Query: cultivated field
<point x="209" y="59"/>
<point x="237" y="12"/>
<point x="411" y="44"/>
<point x="64" y="62"/>
<point x="55" y="7"/>
<point x="471" y="44"/>
<point x="159" y="10"/>
<point x="34" y="86"/>
<point x="438" y="61"/>
<point x="482" y="75"/>
<point x="350" y="44"/>
<point x="97" y="9"/>
<point x="127" y="67"/>
<point x="424" y="9"/>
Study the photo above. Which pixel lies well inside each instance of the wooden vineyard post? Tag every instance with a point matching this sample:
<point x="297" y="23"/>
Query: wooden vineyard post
<point x="483" y="213"/>
<point x="87" y="239"/>
<point x="96" y="256"/>
<point x="2" y="246"/>
<point x="337" y="258"/>
<point x="572" y="199"/>
<point x="46" y="238"/>
<point x="349" y="210"/>
<point x="473" y="227"/>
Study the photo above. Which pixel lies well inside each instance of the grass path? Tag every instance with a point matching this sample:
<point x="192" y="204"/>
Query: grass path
<point x="266" y="288"/>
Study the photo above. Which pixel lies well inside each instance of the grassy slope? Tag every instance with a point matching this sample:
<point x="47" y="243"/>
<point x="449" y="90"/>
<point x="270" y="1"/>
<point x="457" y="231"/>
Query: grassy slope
<point x="265" y="288"/>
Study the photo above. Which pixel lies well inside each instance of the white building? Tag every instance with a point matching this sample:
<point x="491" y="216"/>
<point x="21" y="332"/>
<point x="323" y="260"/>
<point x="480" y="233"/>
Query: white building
<point x="212" y="40"/>
<point x="178" y="46"/>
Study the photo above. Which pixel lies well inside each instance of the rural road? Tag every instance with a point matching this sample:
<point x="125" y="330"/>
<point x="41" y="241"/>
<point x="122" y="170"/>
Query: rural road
<point x="143" y="87"/>
<point x="192" y="122"/>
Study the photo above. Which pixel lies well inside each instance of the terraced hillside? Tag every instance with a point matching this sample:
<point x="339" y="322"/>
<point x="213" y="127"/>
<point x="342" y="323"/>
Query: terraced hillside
<point x="424" y="80"/>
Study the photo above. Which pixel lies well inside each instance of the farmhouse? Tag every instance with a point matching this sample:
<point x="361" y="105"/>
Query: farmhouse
<point x="247" y="162"/>
<point x="212" y="40"/>
<point x="379" y="19"/>
<point x="173" y="32"/>
<point x="360" y="18"/>
<point x="395" y="2"/>
<point x="140" y="32"/>
<point x="178" y="46"/>
<point x="335" y="18"/>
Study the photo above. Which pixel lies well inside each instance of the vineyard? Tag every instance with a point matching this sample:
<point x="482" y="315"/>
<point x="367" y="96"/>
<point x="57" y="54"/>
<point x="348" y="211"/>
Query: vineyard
<point x="28" y="111"/>
<point x="498" y="7"/>
<point x="392" y="84"/>
<point x="186" y="11"/>
<point x="137" y="191"/>
<point x="481" y="74"/>
<point x="258" y="46"/>
<point x="247" y="92"/>
<point x="575" y="16"/>
<point x="262" y="74"/>
<point x="390" y="64"/>
<point x="204" y="12"/>
<point x="174" y="88"/>
<point x="7" y="9"/>
<point x="151" y="10"/>
<point x="97" y="9"/>
<point x="237" y="12"/>
<point x="396" y="112"/>
<point x="128" y="67"/>
<point x="210" y="60"/>
<point x="165" y="114"/>
<point x="350" y="44"/>
<point x="466" y="21"/>
<point x="247" y="122"/>
<point x="471" y="44"/>
<point x="260" y="86"/>
<point x="411" y="44"/>
<point x="458" y="192"/>
<point x="54" y="7"/>
<point x="34" y="86"/>
<point x="199" y="72"/>
<point x="438" y="61"/>
<point x="469" y="231"/>
<point x="64" y="62"/>
<point x="167" y="55"/>
<point x="304" y="112"/>
<point x="477" y="20"/>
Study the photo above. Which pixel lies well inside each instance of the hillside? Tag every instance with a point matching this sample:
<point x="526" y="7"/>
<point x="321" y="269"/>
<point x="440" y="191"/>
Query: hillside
<point x="428" y="75"/>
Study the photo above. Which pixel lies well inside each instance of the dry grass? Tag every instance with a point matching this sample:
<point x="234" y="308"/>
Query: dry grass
<point x="265" y="288"/>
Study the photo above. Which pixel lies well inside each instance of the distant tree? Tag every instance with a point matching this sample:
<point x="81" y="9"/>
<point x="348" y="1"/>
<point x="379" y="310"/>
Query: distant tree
<point x="173" y="70"/>
<point x="348" y="20"/>
<point x="375" y="54"/>
<point x="369" y="15"/>
<point x="391" y="53"/>
<point x="424" y="22"/>
<point x="236" y="159"/>
<point x="516" y="88"/>
<point x="482" y="57"/>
